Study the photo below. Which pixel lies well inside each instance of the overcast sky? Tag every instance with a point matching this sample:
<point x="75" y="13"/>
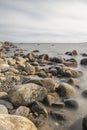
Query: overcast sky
<point x="43" y="20"/>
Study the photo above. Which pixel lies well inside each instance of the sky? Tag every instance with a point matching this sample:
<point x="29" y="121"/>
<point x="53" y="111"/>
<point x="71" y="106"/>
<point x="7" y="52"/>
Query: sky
<point x="43" y="21"/>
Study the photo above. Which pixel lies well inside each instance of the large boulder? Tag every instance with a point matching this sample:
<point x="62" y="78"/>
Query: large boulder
<point x="66" y="91"/>
<point x="26" y="94"/>
<point x="13" y="122"/>
<point x="83" y="61"/>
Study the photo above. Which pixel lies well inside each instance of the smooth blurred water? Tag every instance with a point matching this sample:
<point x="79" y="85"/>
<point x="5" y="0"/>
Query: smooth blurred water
<point x="59" y="50"/>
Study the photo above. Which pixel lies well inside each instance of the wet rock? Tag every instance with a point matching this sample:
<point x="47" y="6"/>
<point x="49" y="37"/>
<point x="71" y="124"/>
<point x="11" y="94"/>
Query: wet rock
<point x="44" y="57"/>
<point x="72" y="53"/>
<point x="26" y="94"/>
<point x="72" y="81"/>
<point x="3" y="109"/>
<point x="35" y="63"/>
<point x="35" y="51"/>
<point x="84" y="123"/>
<point x="68" y="72"/>
<point x="58" y="115"/>
<point x="42" y="74"/>
<point x="66" y="91"/>
<point x="22" y="111"/>
<point x="57" y="59"/>
<point x="31" y="56"/>
<point x="51" y="98"/>
<point x="84" y="93"/>
<point x="58" y="104"/>
<point x="53" y="71"/>
<point x="71" y="103"/>
<point x="83" y="61"/>
<point x="14" y="122"/>
<point x="71" y="63"/>
<point x="37" y="107"/>
<point x="47" y="83"/>
<point x="84" y="54"/>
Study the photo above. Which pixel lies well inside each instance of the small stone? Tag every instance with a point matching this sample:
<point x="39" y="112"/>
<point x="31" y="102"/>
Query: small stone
<point x="22" y="111"/>
<point x="39" y="108"/>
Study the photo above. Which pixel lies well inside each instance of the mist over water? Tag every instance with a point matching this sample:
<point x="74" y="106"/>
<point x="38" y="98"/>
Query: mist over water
<point x="59" y="50"/>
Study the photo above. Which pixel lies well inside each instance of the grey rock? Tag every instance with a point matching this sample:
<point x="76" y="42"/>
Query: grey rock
<point x="6" y="103"/>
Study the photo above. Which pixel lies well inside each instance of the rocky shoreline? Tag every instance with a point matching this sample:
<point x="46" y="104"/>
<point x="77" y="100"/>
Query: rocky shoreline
<point x="36" y="90"/>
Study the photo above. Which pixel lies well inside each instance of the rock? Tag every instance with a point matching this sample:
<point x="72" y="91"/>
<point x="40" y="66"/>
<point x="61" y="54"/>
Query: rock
<point x="72" y="53"/>
<point x="72" y="81"/>
<point x="14" y="122"/>
<point x="84" y="123"/>
<point x="84" y="54"/>
<point x="68" y="72"/>
<point x="47" y="83"/>
<point x="84" y="93"/>
<point x="71" y="63"/>
<point x="42" y="74"/>
<point x="57" y="115"/>
<point x="51" y="98"/>
<point x="35" y="51"/>
<point x="7" y="84"/>
<point x="3" y="95"/>
<point x="71" y="103"/>
<point x="22" y="111"/>
<point x="7" y="104"/>
<point x="20" y="59"/>
<point x="31" y="56"/>
<point x="4" y="66"/>
<point x="66" y="91"/>
<point x="26" y="94"/>
<point x="44" y="57"/>
<point x="58" y="104"/>
<point x="35" y="63"/>
<point x="11" y="61"/>
<point x="53" y="71"/>
<point x="83" y="61"/>
<point x="7" y="43"/>
<point x="57" y="59"/>
<point x="3" y="109"/>
<point x="30" y="69"/>
<point x="37" y="107"/>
